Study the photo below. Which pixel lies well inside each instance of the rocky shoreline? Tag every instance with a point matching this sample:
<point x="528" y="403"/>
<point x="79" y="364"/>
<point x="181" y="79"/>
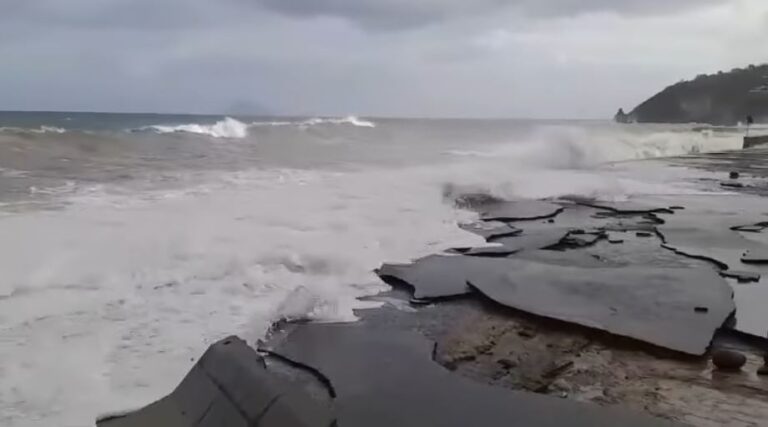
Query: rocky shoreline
<point x="578" y="312"/>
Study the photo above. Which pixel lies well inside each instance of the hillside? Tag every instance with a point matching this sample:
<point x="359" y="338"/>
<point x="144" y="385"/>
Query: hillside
<point x="725" y="98"/>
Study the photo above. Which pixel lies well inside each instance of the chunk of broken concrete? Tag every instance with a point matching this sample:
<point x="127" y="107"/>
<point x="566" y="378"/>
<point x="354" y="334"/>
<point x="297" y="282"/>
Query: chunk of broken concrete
<point x="533" y="240"/>
<point x="582" y="239"/>
<point x="442" y="276"/>
<point x="229" y="385"/>
<point x="655" y="305"/>
<point x="386" y="377"/>
<point x="490" y="229"/>
<point x="623" y="207"/>
<point x="434" y="276"/>
<point x="757" y="256"/>
<point x="520" y="211"/>
<point x="728" y="360"/>
<point x="489" y="251"/>
<point x="751" y="228"/>
<point x="732" y="184"/>
<point x="741" y="276"/>
<point x="705" y="231"/>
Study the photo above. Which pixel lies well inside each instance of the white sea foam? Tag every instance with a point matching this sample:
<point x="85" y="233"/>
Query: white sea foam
<point x="13" y="173"/>
<point x="68" y="187"/>
<point x="49" y="129"/>
<point x="235" y="129"/>
<point x="556" y="161"/>
<point x="349" y="120"/>
<point x="226" y="128"/>
<point x="40" y="130"/>
<point x="569" y="147"/>
<point x="273" y="123"/>
<point x="125" y="294"/>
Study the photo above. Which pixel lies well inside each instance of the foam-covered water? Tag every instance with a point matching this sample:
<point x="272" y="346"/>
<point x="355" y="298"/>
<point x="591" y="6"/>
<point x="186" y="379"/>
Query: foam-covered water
<point x="227" y="128"/>
<point x="232" y="128"/>
<point x="123" y="254"/>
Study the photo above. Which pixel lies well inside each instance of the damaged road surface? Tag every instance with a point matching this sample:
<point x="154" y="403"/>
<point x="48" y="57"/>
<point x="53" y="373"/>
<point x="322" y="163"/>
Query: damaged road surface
<point x="520" y="211"/>
<point x="726" y="231"/>
<point x="537" y="314"/>
<point x="376" y="375"/>
<point x="676" y="308"/>
<point x="386" y="377"/>
<point x="230" y="386"/>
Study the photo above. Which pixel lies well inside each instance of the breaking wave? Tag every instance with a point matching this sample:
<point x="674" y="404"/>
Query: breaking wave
<point x="565" y="147"/>
<point x="349" y="120"/>
<point x="227" y="128"/>
<point x="235" y="129"/>
<point x="40" y="130"/>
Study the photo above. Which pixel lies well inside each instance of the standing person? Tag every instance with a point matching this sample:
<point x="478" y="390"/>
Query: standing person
<point x="750" y="121"/>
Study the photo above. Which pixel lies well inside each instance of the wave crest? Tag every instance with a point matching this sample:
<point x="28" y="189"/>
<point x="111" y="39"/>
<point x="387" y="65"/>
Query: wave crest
<point x="349" y="120"/>
<point x="42" y="129"/>
<point x="227" y="128"/>
<point x="572" y="147"/>
<point x="235" y="129"/>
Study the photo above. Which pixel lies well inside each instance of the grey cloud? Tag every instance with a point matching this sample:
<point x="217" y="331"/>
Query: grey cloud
<point x="370" y="13"/>
<point x="403" y="14"/>
<point x="205" y="56"/>
<point x="639" y="7"/>
<point x="121" y="14"/>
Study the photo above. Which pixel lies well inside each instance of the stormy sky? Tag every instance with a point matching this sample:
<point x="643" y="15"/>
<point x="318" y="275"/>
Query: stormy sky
<point x="425" y="58"/>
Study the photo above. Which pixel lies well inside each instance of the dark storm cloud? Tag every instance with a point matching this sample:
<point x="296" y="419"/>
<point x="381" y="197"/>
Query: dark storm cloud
<point x="399" y="14"/>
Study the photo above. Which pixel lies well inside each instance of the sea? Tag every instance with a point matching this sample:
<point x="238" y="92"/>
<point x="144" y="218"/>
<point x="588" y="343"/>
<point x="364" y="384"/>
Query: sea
<point x="130" y="242"/>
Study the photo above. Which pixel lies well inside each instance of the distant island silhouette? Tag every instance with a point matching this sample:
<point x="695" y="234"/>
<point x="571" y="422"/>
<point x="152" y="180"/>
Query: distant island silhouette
<point x="724" y="98"/>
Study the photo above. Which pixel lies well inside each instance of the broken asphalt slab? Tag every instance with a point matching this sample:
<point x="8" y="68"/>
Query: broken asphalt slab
<point x="651" y="304"/>
<point x="623" y="207"/>
<point x="491" y="229"/>
<point x="434" y="276"/>
<point x="741" y="276"/>
<point x="533" y="239"/>
<point x="524" y="210"/>
<point x="654" y="305"/>
<point x="230" y="386"/>
<point x="387" y="377"/>
<point x="708" y="229"/>
<point x="755" y="256"/>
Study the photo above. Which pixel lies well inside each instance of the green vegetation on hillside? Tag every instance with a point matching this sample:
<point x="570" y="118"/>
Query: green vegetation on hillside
<point x="725" y="98"/>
